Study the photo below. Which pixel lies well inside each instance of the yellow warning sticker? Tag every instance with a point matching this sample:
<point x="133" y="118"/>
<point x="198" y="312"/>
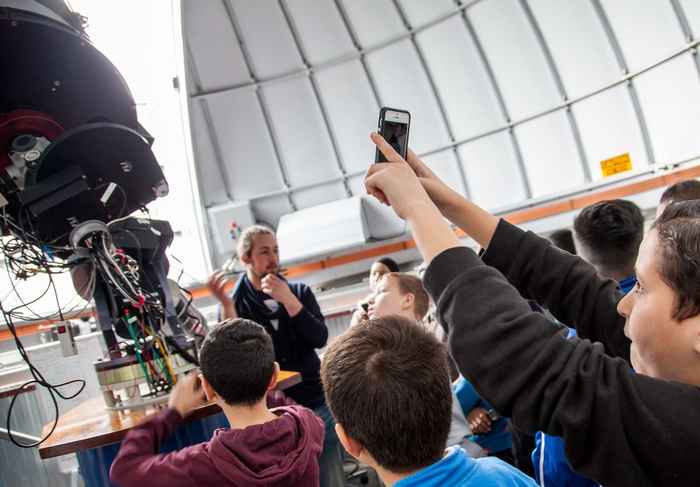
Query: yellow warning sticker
<point x="616" y="165"/>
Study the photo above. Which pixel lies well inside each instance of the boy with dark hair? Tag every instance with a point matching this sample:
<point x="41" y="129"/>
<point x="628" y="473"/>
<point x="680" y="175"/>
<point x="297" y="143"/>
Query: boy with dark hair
<point x="621" y="428"/>
<point x="290" y="313"/>
<point x="388" y="387"/>
<point x="681" y="191"/>
<point x="263" y="447"/>
<point x="608" y="235"/>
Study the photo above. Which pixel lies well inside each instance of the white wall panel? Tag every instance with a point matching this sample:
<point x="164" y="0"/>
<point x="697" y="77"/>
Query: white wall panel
<point x="209" y="177"/>
<point x="402" y="83"/>
<point x="352" y="112"/>
<point x="582" y="55"/>
<point x="269" y="210"/>
<point x="670" y="96"/>
<point x="609" y="128"/>
<point x="374" y="21"/>
<point x="550" y="155"/>
<point x="492" y="171"/>
<point x="647" y="31"/>
<point x="267" y="37"/>
<point x="320" y="26"/>
<point x="218" y="63"/>
<point x="578" y="44"/>
<point x="460" y="77"/>
<point x="245" y="143"/>
<point x="445" y="166"/>
<point x="318" y="195"/>
<point x="301" y="133"/>
<point x="516" y="58"/>
<point x="419" y="11"/>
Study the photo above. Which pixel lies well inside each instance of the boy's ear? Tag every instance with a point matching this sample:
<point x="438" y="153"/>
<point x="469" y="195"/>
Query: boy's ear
<point x="273" y="379"/>
<point x="352" y="446"/>
<point x="208" y="389"/>
<point x="408" y="300"/>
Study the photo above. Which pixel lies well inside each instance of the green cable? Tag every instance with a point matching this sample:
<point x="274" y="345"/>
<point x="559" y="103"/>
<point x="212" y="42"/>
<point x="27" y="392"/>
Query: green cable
<point x="138" y="352"/>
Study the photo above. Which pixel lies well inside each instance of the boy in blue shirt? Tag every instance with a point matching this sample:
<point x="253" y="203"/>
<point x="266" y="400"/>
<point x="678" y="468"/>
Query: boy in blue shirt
<point x="387" y="385"/>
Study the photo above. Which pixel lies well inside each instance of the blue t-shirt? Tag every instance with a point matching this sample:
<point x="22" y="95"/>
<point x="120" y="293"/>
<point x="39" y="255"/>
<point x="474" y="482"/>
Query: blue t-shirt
<point x="459" y="470"/>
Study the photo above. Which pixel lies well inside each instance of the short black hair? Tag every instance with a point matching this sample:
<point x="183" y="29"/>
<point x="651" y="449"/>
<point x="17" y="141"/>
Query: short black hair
<point x="563" y="239"/>
<point x="612" y="231"/>
<point x="389" y="263"/>
<point x="387" y="383"/>
<point x="237" y="358"/>
<point x="682" y="191"/>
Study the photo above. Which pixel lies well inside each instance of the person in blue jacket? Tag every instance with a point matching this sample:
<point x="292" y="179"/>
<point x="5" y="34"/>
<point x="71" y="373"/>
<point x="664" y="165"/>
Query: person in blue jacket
<point x="489" y="429"/>
<point x="608" y="235"/>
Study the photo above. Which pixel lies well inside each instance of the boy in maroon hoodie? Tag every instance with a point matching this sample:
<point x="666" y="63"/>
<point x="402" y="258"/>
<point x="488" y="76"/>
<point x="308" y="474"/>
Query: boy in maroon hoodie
<point x="263" y="447"/>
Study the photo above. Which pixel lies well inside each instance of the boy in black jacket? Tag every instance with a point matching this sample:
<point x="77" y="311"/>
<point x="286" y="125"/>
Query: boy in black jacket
<point x="621" y="427"/>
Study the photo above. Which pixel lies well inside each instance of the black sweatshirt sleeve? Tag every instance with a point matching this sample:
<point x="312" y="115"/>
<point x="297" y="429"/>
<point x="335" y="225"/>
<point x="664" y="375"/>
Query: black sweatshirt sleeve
<point x="620" y="428"/>
<point x="563" y="283"/>
<point x="309" y="323"/>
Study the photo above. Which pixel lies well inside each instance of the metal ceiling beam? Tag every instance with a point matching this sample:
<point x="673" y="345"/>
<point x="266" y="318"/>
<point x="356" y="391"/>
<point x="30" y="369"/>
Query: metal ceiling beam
<point x="687" y="30"/>
<point x="208" y="121"/>
<point x="506" y="127"/>
<point x="339" y="59"/>
<point x="556" y="75"/>
<point x="261" y="99"/>
<point x="622" y="63"/>
<point x="501" y="104"/>
<point x="573" y="101"/>
<point x="317" y="93"/>
<point x="438" y="98"/>
<point x="360" y="52"/>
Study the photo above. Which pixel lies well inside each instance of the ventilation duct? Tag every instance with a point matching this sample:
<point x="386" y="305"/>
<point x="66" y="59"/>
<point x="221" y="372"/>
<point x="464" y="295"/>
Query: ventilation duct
<point x="319" y="231"/>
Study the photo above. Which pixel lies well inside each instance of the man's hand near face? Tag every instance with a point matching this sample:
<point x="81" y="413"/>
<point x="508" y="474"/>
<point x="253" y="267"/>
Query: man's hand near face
<point x="278" y="289"/>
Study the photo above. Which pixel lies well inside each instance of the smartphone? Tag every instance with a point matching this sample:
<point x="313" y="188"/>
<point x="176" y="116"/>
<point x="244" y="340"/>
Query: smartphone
<point x="394" y="126"/>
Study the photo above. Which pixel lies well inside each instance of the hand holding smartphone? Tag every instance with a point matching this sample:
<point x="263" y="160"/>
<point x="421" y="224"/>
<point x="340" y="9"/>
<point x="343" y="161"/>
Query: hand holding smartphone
<point x="394" y="125"/>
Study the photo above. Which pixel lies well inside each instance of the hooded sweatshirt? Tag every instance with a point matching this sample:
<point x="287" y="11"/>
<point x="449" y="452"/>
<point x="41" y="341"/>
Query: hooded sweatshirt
<point x="280" y="453"/>
<point x="457" y="469"/>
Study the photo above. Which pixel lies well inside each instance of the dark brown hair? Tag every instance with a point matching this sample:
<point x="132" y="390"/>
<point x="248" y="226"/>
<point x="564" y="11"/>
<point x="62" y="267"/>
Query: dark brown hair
<point x="612" y="231"/>
<point x="389" y="263"/>
<point x="678" y="229"/>
<point x="387" y="384"/>
<point x="409" y="284"/>
<point x="682" y="191"/>
<point x="237" y="358"/>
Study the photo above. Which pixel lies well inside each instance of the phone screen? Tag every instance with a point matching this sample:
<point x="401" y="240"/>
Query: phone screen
<point x="395" y="132"/>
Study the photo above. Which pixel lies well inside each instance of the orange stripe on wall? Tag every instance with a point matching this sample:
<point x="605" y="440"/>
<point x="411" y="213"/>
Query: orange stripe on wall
<point x="516" y="217"/>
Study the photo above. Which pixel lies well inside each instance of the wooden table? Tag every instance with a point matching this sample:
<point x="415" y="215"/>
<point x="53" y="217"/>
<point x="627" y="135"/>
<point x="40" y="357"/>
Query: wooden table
<point x="90" y="425"/>
<point x="94" y="433"/>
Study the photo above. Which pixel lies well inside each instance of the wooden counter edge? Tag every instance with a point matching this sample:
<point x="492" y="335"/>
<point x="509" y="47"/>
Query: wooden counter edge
<point x="65" y="448"/>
